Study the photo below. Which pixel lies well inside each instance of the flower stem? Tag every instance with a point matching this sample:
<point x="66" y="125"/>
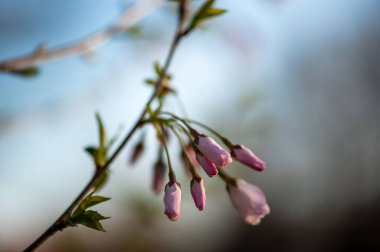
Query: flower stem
<point x="172" y="177"/>
<point x="224" y="140"/>
<point x="191" y="130"/>
<point x="186" y="121"/>
<point x="192" y="168"/>
<point x="226" y="177"/>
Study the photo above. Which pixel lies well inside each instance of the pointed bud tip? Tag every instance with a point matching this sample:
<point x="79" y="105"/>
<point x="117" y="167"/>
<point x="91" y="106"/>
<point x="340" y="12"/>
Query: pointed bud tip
<point x="207" y="165"/>
<point x="213" y="151"/>
<point x="248" y="158"/>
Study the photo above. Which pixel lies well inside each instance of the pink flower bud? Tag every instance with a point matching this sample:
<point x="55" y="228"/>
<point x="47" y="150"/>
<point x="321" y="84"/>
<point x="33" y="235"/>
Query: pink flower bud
<point x="249" y="201"/>
<point x="172" y="200"/>
<point x="158" y="177"/>
<point x="198" y="192"/>
<point x="207" y="165"/>
<point x="247" y="157"/>
<point x="213" y="151"/>
<point x="137" y="151"/>
<point x="190" y="151"/>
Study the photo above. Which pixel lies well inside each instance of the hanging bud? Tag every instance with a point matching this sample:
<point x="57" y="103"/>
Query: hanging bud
<point x="158" y="177"/>
<point x="191" y="153"/>
<point x="247" y="157"/>
<point x="186" y="164"/>
<point x="207" y="165"/>
<point x="172" y="200"/>
<point x="198" y="193"/>
<point x="249" y="201"/>
<point x="137" y="151"/>
<point x="212" y="150"/>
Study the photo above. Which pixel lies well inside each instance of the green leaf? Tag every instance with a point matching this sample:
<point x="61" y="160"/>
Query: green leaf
<point x="157" y="68"/>
<point x="151" y="82"/>
<point x="94" y="200"/>
<point x="102" y="131"/>
<point x="27" y="72"/>
<point x="205" y="11"/>
<point x="214" y="12"/>
<point x="92" y="151"/>
<point x="88" y="202"/>
<point x="89" y="219"/>
<point x="206" y="6"/>
<point x="99" y="156"/>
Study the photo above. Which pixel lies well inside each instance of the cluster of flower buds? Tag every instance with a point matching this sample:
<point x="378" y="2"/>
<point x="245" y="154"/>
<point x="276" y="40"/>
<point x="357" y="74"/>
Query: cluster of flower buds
<point x="249" y="200"/>
<point x="203" y="151"/>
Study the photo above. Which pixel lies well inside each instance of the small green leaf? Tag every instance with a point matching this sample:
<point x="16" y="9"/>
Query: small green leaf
<point x="157" y="68"/>
<point x="88" y="202"/>
<point x="205" y="11"/>
<point x="94" y="200"/>
<point x="207" y="5"/>
<point x="93" y="151"/>
<point x="102" y="131"/>
<point x="214" y="12"/>
<point x="27" y="72"/>
<point x="99" y="156"/>
<point x="151" y="82"/>
<point x="89" y="219"/>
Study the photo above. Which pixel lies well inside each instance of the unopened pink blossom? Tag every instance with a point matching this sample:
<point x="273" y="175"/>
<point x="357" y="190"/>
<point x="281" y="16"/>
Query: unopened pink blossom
<point x="198" y="193"/>
<point x="207" y="165"/>
<point x="137" y="152"/>
<point x="247" y="157"/>
<point x="172" y="200"/>
<point x="158" y="177"/>
<point x="213" y="151"/>
<point x="249" y="201"/>
<point x="191" y="153"/>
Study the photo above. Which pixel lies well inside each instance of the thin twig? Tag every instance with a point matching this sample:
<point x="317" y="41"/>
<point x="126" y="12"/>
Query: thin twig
<point x="127" y="19"/>
<point x="61" y="222"/>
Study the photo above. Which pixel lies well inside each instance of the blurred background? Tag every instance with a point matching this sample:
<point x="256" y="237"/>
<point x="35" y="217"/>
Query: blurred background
<point x="295" y="80"/>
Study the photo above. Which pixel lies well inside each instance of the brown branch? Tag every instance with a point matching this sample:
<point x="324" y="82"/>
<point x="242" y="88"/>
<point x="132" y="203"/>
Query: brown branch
<point x="127" y="19"/>
<point x="62" y="221"/>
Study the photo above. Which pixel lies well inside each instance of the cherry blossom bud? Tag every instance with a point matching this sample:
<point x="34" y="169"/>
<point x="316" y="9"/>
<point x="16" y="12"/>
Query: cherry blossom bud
<point x="158" y="177"/>
<point x="207" y="165"/>
<point x="213" y="151"/>
<point x="198" y="192"/>
<point x="247" y="157"/>
<point x="249" y="201"/>
<point x="172" y="200"/>
<point x="137" y="151"/>
<point x="191" y="153"/>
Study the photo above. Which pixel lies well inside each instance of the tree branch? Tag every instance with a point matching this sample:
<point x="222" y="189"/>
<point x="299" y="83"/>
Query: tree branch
<point x="127" y="19"/>
<point x="61" y="222"/>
